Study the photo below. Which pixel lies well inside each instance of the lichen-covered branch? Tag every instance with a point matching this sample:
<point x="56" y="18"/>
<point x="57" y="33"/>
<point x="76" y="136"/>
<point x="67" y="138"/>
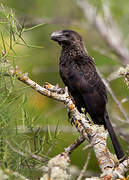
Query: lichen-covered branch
<point x="124" y="72"/>
<point x="95" y="134"/>
<point x="58" y="168"/>
<point x="120" y="170"/>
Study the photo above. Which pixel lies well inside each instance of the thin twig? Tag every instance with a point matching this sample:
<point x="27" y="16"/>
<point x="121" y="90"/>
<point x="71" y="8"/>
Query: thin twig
<point x="27" y="154"/>
<point x="87" y="146"/>
<point x="85" y="166"/>
<point x="75" y="144"/>
<point x="32" y="22"/>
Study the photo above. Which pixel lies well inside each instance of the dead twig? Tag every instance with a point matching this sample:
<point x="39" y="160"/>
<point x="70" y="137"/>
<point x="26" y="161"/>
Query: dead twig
<point x="85" y="166"/>
<point x="107" y="28"/>
<point x="75" y="144"/>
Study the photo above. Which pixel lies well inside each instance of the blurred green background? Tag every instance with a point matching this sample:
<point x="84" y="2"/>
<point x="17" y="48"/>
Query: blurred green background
<point x="29" y="110"/>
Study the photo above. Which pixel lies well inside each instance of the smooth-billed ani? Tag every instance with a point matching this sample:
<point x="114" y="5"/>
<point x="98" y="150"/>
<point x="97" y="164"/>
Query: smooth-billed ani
<point x="78" y="72"/>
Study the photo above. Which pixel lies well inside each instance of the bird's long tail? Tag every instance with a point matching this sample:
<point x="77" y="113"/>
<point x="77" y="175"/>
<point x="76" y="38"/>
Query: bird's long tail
<point x="117" y="147"/>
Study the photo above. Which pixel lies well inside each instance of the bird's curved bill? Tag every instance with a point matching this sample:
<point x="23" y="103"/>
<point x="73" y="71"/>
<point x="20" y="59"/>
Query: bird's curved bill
<point x="58" y="36"/>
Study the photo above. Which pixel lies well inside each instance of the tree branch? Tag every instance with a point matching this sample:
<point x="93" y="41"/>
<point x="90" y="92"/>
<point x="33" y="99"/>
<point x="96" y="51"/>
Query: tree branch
<point x="74" y="145"/>
<point x="95" y="134"/>
<point x="58" y="168"/>
<point x="107" y="28"/>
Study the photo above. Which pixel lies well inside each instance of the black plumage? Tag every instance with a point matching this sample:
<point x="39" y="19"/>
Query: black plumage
<point x="78" y="72"/>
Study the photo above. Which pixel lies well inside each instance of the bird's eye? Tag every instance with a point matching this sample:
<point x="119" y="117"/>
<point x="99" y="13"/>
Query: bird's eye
<point x="67" y="35"/>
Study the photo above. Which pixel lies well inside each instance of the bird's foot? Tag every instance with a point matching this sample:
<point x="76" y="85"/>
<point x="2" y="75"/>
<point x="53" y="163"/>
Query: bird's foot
<point x="55" y="89"/>
<point x="83" y="110"/>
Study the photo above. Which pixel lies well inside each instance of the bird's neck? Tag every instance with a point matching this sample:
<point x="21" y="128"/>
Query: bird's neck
<point x="73" y="52"/>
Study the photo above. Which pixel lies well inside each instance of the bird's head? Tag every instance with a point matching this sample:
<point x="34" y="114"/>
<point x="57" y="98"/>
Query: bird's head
<point x="66" y="37"/>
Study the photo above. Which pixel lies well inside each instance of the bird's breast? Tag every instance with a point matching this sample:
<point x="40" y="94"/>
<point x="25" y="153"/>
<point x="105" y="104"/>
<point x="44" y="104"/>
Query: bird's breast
<point x="68" y="71"/>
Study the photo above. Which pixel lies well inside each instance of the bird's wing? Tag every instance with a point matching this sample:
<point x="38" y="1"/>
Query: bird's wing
<point x="87" y="89"/>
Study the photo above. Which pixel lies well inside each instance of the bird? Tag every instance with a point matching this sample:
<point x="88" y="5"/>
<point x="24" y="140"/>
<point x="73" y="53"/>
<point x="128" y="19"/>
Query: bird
<point x="87" y="90"/>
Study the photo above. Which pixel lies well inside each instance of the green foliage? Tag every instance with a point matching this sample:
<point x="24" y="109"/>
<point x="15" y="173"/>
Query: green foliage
<point x="19" y="140"/>
<point x="18" y="136"/>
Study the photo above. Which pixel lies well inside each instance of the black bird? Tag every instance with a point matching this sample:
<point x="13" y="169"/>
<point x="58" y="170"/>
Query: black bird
<point x="78" y="72"/>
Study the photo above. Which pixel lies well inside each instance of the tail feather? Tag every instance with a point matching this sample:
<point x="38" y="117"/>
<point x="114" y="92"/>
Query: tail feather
<point x="117" y="147"/>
